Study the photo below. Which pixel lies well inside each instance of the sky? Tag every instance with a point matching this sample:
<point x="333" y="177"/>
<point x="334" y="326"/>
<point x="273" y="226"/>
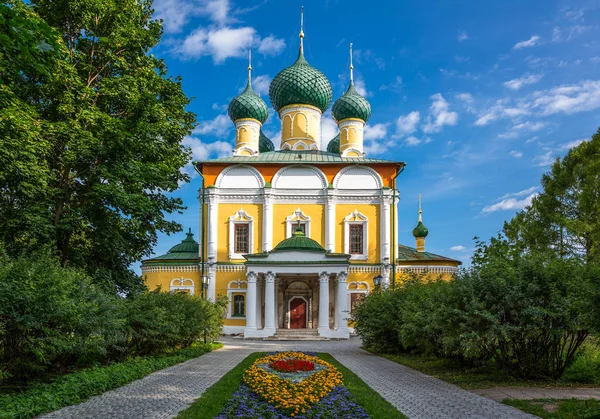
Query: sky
<point x="477" y="97"/>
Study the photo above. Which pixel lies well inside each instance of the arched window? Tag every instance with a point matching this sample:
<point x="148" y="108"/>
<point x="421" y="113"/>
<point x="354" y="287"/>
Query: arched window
<point x="182" y="286"/>
<point x="239" y="309"/>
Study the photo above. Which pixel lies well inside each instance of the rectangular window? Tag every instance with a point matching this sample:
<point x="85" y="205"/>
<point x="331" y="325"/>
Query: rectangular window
<point x="238" y="306"/>
<point x="356" y="239"/>
<point x="242" y="238"/>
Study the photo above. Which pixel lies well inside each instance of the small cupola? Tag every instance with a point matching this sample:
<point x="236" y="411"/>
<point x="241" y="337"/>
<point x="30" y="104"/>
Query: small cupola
<point x="248" y="112"/>
<point x="420" y="232"/>
<point x="351" y="112"/>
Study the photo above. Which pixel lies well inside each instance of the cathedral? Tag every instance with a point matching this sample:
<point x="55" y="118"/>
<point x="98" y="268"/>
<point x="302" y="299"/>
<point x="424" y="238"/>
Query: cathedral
<point x="295" y="237"/>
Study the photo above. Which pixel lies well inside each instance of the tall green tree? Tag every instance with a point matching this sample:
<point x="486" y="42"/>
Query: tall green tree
<point x="564" y="219"/>
<point x="110" y="123"/>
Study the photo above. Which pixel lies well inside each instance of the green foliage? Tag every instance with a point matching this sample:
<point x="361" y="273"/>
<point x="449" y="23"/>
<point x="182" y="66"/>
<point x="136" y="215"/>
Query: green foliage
<point x="565" y="409"/>
<point x="53" y="319"/>
<point x="78" y="386"/>
<point x="158" y="321"/>
<point x="90" y="134"/>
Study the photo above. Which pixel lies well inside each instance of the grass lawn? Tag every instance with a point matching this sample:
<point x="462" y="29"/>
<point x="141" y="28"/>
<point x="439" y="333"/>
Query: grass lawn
<point x="559" y="409"/>
<point x="78" y="386"/>
<point x="585" y="371"/>
<point x="214" y="399"/>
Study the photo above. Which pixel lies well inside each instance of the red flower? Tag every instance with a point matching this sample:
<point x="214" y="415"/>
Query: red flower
<point x="292" y="365"/>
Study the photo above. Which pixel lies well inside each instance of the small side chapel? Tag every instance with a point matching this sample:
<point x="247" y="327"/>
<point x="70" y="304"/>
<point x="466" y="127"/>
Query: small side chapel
<point x="295" y="237"/>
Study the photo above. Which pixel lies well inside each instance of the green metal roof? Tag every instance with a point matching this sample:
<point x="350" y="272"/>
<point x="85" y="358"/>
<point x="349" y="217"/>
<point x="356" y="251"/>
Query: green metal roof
<point x="300" y="83"/>
<point x="351" y="105"/>
<point x="420" y="230"/>
<point x="187" y="250"/>
<point x="410" y="254"/>
<point x="264" y="143"/>
<point x="298" y="241"/>
<point x="248" y="105"/>
<point x="334" y="145"/>
<point x="287" y="156"/>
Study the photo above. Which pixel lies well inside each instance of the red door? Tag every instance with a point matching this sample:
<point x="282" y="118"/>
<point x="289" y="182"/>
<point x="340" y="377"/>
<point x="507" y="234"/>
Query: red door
<point x="297" y="314"/>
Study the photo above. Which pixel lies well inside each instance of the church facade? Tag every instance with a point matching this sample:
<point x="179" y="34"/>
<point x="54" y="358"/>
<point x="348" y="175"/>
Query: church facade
<point x="295" y="237"/>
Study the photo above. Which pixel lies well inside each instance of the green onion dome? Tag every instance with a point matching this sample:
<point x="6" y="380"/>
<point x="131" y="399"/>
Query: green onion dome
<point x="351" y="105"/>
<point x="420" y="231"/>
<point x="334" y="145"/>
<point x="298" y="241"/>
<point x="301" y="84"/>
<point x="264" y="143"/>
<point x="248" y="105"/>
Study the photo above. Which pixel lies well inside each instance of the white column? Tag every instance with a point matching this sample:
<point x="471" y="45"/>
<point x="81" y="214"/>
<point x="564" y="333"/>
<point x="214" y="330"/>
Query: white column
<point x="342" y="305"/>
<point x="212" y="282"/>
<point x="267" y="222"/>
<point x="269" y="328"/>
<point x="386" y="232"/>
<point x="212" y="227"/>
<point x="330" y="224"/>
<point x="324" y="304"/>
<point x="259" y="302"/>
<point x="276" y="308"/>
<point x="250" y="330"/>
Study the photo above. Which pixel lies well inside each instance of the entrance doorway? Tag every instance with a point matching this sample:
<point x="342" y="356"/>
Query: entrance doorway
<point x="297" y="313"/>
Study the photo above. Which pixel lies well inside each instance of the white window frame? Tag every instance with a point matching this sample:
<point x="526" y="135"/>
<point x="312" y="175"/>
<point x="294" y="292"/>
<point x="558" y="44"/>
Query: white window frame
<point x="235" y="287"/>
<point x="180" y="284"/>
<point x="291" y="221"/>
<point x="356" y="218"/>
<point x="240" y="217"/>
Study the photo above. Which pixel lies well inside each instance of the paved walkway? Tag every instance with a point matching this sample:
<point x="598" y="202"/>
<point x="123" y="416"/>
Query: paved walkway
<point x="529" y="393"/>
<point x="165" y="393"/>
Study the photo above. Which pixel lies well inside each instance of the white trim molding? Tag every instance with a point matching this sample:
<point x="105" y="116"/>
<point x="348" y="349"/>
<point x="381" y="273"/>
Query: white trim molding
<point x="298" y="170"/>
<point x="291" y="221"/>
<point x="182" y="283"/>
<point x="356" y="218"/>
<point x="240" y="217"/>
<point x="241" y="169"/>
<point x="364" y="178"/>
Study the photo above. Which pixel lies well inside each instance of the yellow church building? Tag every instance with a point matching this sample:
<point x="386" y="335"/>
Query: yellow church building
<point x="295" y="237"/>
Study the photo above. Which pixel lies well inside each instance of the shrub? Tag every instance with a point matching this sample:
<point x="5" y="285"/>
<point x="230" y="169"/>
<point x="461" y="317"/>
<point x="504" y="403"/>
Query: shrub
<point x="51" y="317"/>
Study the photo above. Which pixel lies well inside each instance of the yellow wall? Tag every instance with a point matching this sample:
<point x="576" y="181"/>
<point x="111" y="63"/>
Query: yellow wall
<point x="371" y="211"/>
<point x="316" y="212"/>
<point x="154" y="279"/>
<point x="227" y="210"/>
<point x="302" y="124"/>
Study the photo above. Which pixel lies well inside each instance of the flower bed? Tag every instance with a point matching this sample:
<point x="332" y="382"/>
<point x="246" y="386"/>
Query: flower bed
<point x="294" y="390"/>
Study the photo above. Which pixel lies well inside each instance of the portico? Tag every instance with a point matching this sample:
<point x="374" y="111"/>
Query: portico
<point x="297" y="285"/>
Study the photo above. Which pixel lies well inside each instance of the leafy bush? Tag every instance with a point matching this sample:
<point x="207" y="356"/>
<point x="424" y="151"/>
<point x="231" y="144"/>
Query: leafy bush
<point x="158" y="321"/>
<point x="51" y="317"/>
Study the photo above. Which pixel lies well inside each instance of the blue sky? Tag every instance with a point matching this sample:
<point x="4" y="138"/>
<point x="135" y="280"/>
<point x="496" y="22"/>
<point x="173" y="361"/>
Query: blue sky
<point x="477" y="97"/>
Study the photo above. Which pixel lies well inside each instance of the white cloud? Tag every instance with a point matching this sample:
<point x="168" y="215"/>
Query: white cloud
<point x="526" y="44"/>
<point x="221" y="43"/>
<point x="439" y="115"/>
<point x="203" y="151"/>
<point x="360" y="86"/>
<point x="412" y="141"/>
<point x="509" y="204"/>
<point x="460" y="59"/>
<point x="375" y="132"/>
<point x="329" y="129"/>
<point x="500" y="110"/>
<point x="462" y="36"/>
<point x="177" y="13"/>
<point x="516" y="84"/>
<point x="584" y="96"/>
<point x="516" y="154"/>
<point x="407" y="124"/>
<point x="572" y="144"/>
<point x="219" y="126"/>
<point x="529" y="126"/>
<point x="524" y="192"/>
<point x="465" y="97"/>
<point x="458" y="248"/>
<point x="394" y="86"/>
<point x="545" y="159"/>
<point x="271" y="45"/>
<point x="261" y="84"/>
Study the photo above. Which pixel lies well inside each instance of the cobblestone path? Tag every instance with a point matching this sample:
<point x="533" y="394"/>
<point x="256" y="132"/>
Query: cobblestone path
<point x="165" y="393"/>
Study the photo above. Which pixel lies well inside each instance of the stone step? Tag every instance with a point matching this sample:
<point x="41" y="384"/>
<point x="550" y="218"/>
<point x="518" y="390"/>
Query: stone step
<point x="297" y="331"/>
<point x="297" y="338"/>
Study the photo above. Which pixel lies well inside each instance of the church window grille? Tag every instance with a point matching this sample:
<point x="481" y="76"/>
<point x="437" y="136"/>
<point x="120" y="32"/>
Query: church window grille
<point x="242" y="238"/>
<point x="238" y="306"/>
<point x="356" y="239"/>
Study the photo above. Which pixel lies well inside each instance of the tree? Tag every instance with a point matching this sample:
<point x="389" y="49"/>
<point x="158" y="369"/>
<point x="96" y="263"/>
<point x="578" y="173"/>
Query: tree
<point x="565" y="218"/>
<point x="110" y="124"/>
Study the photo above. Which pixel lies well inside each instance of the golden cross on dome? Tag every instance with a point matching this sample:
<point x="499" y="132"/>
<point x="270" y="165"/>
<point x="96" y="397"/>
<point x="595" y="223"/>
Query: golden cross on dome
<point x="420" y="210"/>
<point x="249" y="64"/>
<point x="351" y="66"/>
<point x="302" y="29"/>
